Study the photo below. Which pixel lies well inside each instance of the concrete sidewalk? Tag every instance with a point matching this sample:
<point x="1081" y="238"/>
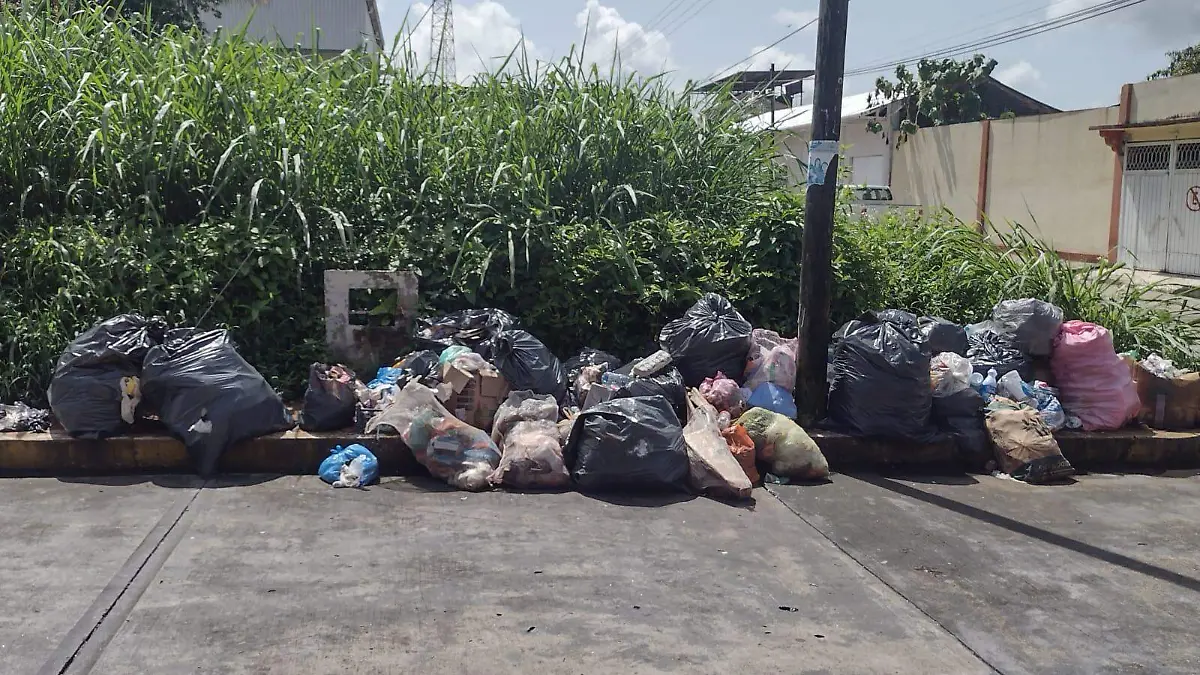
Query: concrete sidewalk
<point x="860" y="575"/>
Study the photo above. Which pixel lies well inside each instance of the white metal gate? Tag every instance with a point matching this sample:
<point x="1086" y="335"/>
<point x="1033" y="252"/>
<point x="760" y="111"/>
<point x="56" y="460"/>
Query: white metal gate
<point x="1160" y="207"/>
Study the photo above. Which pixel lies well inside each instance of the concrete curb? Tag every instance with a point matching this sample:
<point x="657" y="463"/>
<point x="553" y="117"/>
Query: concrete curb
<point x="300" y="453"/>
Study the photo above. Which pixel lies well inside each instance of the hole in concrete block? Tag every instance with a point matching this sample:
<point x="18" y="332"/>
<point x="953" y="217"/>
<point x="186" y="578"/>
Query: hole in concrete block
<point x="379" y="307"/>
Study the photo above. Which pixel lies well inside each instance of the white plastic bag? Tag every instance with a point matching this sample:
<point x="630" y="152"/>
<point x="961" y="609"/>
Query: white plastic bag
<point x="949" y="374"/>
<point x="351" y="474"/>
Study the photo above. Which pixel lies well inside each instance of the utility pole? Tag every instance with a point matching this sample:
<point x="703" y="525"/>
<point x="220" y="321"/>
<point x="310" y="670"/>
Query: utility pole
<point x="441" y="40"/>
<point x="772" y="95"/>
<point x="816" y="273"/>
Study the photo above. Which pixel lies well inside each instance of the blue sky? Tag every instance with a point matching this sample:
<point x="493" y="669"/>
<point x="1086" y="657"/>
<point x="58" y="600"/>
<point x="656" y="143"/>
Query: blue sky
<point x="1078" y="66"/>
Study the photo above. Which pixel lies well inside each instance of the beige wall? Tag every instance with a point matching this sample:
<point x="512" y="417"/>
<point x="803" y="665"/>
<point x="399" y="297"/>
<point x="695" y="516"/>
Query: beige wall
<point x="1159" y="99"/>
<point x="940" y="167"/>
<point x="1054" y="175"/>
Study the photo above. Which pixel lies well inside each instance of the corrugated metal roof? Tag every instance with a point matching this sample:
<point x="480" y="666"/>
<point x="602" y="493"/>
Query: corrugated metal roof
<point x="342" y="24"/>
<point x="800" y="117"/>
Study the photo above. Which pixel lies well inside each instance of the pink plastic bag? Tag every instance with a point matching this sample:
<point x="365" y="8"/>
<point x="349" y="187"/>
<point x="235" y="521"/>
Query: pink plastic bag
<point x="724" y="394"/>
<point x="1094" y="383"/>
<point x="771" y="359"/>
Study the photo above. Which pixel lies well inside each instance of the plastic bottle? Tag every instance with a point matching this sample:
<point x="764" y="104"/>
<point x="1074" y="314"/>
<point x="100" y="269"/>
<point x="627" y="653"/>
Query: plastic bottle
<point x="976" y="382"/>
<point x="988" y="388"/>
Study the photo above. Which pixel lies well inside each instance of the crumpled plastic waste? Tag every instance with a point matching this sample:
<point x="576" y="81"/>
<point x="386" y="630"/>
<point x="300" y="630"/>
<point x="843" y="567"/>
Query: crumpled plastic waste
<point x="949" y="373"/>
<point x="1038" y="395"/>
<point x="771" y="359"/>
<point x="1162" y="367"/>
<point x="349" y="467"/>
<point x="724" y="394"/>
<point x="20" y="417"/>
<point x="474" y="328"/>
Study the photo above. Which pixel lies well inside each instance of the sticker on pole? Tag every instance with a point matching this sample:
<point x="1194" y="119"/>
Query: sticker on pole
<point x="820" y="155"/>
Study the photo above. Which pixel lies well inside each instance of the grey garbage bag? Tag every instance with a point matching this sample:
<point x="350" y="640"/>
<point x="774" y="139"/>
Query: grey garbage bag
<point x="628" y="444"/>
<point x="208" y="396"/>
<point x="527" y="364"/>
<point x="474" y="328"/>
<point x="881" y="383"/>
<point x="95" y="389"/>
<point x="711" y="336"/>
<point x="1028" y="324"/>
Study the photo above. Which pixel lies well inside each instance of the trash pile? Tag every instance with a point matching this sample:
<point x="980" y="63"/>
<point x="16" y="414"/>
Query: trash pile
<point x="482" y="402"/>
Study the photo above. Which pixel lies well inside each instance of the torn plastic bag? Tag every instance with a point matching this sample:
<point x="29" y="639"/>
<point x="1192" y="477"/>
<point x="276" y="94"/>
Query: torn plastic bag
<point x="723" y="394"/>
<point x="628" y="444"/>
<point x="940" y="335"/>
<point x="20" y="417"/>
<point x="988" y="349"/>
<point x="881" y="384"/>
<point x="1030" y="325"/>
<point x="329" y="400"/>
<point x="333" y="469"/>
<point x="786" y="448"/>
<point x="960" y="415"/>
<point x="527" y="364"/>
<point x="712" y="468"/>
<point x="208" y="396"/>
<point x="474" y="328"/>
<point x="95" y="390"/>
<point x="742" y="447"/>
<point x="667" y="383"/>
<point x="1094" y="384"/>
<point x="451" y="449"/>
<point x="774" y="398"/>
<point x="532" y="457"/>
<point x="585" y="368"/>
<point x="1025" y="446"/>
<point x="711" y="336"/>
<point x="771" y="359"/>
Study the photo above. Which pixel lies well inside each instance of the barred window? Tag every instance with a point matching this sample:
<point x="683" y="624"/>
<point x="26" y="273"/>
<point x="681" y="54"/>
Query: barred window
<point x="1155" y="157"/>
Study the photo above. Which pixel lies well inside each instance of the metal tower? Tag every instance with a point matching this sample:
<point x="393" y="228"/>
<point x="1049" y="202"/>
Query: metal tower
<point x="441" y="40"/>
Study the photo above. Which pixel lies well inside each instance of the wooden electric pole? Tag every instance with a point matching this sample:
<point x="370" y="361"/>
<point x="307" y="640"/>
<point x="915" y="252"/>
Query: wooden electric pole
<point x="816" y="273"/>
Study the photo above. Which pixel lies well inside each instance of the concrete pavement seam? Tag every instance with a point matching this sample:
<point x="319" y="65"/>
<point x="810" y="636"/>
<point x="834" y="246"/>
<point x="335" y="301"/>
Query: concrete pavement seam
<point x="883" y="581"/>
<point x="101" y="609"/>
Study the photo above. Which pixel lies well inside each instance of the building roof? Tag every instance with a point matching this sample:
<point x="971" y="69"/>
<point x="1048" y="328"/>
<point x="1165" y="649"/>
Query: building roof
<point x="753" y="80"/>
<point x="340" y="24"/>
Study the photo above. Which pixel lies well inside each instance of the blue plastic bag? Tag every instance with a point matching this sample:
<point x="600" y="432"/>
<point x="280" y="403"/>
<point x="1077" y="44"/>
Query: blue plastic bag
<point x="331" y="468"/>
<point x="386" y="376"/>
<point x="775" y="398"/>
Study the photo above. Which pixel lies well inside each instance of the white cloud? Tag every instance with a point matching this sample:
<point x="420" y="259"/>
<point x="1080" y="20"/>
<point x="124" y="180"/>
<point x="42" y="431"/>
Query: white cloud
<point x="794" y="18"/>
<point x="1020" y="74"/>
<point x="1158" y="21"/>
<point x="484" y="34"/>
<point x="782" y="59"/>
<point x="609" y="34"/>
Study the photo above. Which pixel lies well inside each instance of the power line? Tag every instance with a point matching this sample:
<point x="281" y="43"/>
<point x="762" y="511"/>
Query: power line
<point x="693" y="15"/>
<point x="776" y="43"/>
<point x="663" y="14"/>
<point x="1006" y="37"/>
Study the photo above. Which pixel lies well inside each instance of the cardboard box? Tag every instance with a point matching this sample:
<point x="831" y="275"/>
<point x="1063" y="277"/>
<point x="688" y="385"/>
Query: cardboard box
<point x="473" y="397"/>
<point x="1168" y="403"/>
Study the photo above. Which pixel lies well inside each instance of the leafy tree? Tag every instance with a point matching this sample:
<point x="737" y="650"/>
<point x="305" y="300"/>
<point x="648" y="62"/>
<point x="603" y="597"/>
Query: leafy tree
<point x="942" y="91"/>
<point x="1183" y="62"/>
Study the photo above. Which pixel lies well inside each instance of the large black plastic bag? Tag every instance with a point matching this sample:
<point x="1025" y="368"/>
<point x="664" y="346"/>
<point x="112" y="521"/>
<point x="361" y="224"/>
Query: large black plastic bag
<point x="711" y="336"/>
<point x="881" y="385"/>
<point x="528" y="365"/>
<point x="961" y="415"/>
<point x="628" y="444"/>
<point x="474" y="328"/>
<point x="939" y="335"/>
<point x="208" y="396"/>
<point x="668" y="384"/>
<point x="988" y="350"/>
<point x="329" y="401"/>
<point x="1029" y="324"/>
<point x="86" y="390"/>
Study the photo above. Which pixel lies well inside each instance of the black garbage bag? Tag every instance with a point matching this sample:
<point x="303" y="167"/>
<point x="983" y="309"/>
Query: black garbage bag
<point x="667" y="383"/>
<point x="98" y="370"/>
<point x="940" y="335"/>
<point x="988" y="350"/>
<point x="900" y="318"/>
<point x="528" y="365"/>
<point x="881" y="385"/>
<point x="474" y="328"/>
<point x="329" y="400"/>
<point x="1028" y="324"/>
<point x="579" y="381"/>
<point x="628" y="444"/>
<point x="961" y="415"/>
<point x="422" y="364"/>
<point x="208" y="396"/>
<point x="711" y="336"/>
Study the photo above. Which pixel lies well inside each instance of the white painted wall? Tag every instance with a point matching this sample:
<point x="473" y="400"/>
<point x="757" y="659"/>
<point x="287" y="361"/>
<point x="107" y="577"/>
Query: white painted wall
<point x="856" y="142"/>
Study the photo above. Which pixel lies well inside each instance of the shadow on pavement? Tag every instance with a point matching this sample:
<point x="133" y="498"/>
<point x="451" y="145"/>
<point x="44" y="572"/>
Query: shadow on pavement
<point x="1024" y="529"/>
<point x="173" y="481"/>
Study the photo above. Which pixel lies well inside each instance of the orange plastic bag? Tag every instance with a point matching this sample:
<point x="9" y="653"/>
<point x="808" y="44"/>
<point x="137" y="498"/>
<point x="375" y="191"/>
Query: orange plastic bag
<point x="742" y="447"/>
